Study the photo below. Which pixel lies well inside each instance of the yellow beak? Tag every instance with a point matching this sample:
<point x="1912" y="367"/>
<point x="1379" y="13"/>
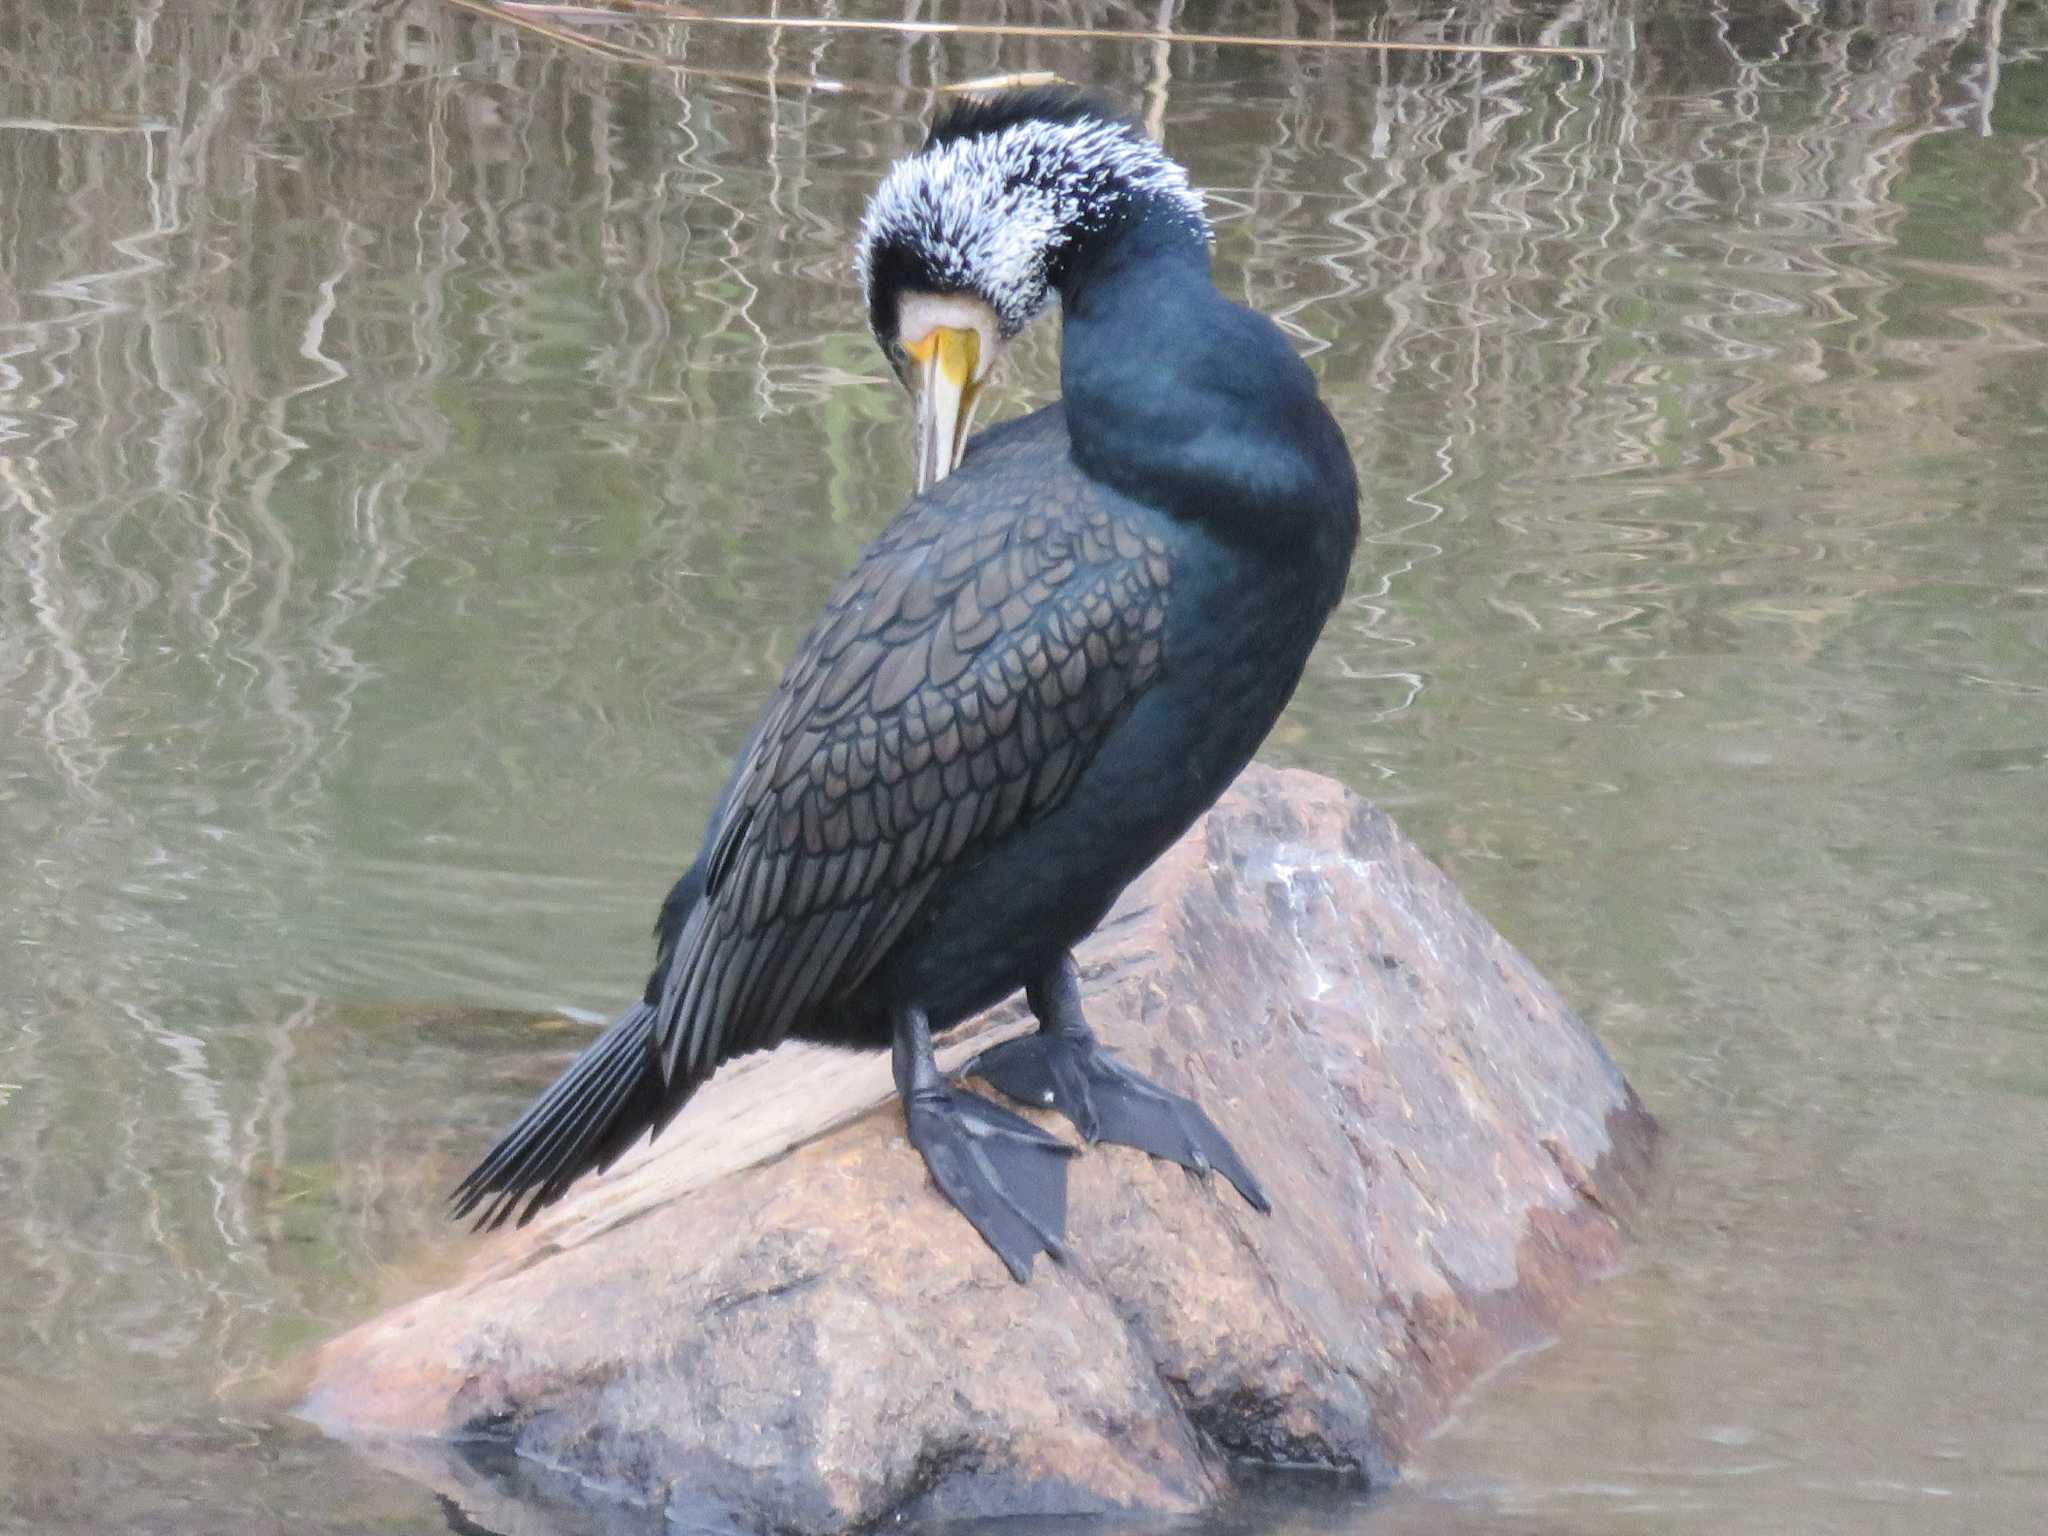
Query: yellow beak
<point x="944" y="393"/>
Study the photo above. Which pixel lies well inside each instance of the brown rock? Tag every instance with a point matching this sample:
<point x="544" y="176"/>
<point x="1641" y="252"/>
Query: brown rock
<point x="771" y="1312"/>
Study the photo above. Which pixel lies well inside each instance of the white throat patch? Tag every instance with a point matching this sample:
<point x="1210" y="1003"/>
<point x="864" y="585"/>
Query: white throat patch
<point x="985" y="214"/>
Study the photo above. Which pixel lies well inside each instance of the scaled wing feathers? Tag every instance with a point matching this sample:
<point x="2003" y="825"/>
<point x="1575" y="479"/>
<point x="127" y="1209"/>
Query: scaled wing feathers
<point x="959" y="682"/>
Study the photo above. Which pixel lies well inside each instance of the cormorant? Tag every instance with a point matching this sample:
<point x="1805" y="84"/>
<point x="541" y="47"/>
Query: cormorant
<point x="1057" y="656"/>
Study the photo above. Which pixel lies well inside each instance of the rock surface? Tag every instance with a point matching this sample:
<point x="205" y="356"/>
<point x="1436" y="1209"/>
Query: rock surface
<point x="770" y="1317"/>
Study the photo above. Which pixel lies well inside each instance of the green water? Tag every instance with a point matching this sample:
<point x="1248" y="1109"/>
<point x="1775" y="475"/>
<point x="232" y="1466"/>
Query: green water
<point x="421" y="442"/>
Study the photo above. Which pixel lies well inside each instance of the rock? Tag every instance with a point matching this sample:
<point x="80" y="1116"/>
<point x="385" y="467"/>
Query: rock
<point x="771" y="1317"/>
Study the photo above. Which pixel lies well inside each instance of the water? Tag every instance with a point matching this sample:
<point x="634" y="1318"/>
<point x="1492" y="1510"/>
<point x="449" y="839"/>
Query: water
<point x="420" y="442"/>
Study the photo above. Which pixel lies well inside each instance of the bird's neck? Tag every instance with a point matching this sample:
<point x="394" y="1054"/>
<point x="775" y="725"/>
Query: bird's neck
<point x="1181" y="399"/>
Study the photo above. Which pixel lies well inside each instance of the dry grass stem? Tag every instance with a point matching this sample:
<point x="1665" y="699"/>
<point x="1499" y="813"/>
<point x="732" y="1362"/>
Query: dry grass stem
<point x="689" y="14"/>
<point x="527" y="17"/>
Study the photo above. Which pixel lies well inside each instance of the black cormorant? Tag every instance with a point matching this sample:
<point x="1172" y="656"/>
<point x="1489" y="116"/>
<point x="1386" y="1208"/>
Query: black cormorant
<point x="1039" y="674"/>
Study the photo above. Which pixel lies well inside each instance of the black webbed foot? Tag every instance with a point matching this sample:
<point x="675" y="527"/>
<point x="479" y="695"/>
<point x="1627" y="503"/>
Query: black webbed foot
<point x="1001" y="1172"/>
<point x="1004" y="1174"/>
<point x="1107" y="1101"/>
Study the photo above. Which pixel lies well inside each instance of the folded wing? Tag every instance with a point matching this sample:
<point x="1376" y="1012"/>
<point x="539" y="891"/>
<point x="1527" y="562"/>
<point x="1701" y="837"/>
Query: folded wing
<point x="960" y="680"/>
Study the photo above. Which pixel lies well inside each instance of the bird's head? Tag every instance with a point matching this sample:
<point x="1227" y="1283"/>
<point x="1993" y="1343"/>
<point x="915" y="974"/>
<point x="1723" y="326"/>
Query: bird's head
<point x="966" y="241"/>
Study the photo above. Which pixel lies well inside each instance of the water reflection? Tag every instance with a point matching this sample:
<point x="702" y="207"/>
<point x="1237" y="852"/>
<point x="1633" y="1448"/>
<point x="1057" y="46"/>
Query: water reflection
<point x="419" y="444"/>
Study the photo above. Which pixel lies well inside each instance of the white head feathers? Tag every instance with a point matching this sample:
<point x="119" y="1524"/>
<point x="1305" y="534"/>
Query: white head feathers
<point x="1000" y="195"/>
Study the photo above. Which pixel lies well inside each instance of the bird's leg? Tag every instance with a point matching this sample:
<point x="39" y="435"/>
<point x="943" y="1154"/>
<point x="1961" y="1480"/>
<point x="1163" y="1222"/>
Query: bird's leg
<point x="1004" y="1174"/>
<point x="1061" y="1067"/>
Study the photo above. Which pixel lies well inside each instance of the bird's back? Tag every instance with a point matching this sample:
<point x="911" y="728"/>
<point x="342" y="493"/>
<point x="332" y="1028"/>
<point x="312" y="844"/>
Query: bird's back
<point x="963" y="676"/>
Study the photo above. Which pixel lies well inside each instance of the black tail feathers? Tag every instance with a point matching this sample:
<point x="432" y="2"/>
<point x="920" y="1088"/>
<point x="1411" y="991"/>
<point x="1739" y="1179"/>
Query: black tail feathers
<point x="609" y="1096"/>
